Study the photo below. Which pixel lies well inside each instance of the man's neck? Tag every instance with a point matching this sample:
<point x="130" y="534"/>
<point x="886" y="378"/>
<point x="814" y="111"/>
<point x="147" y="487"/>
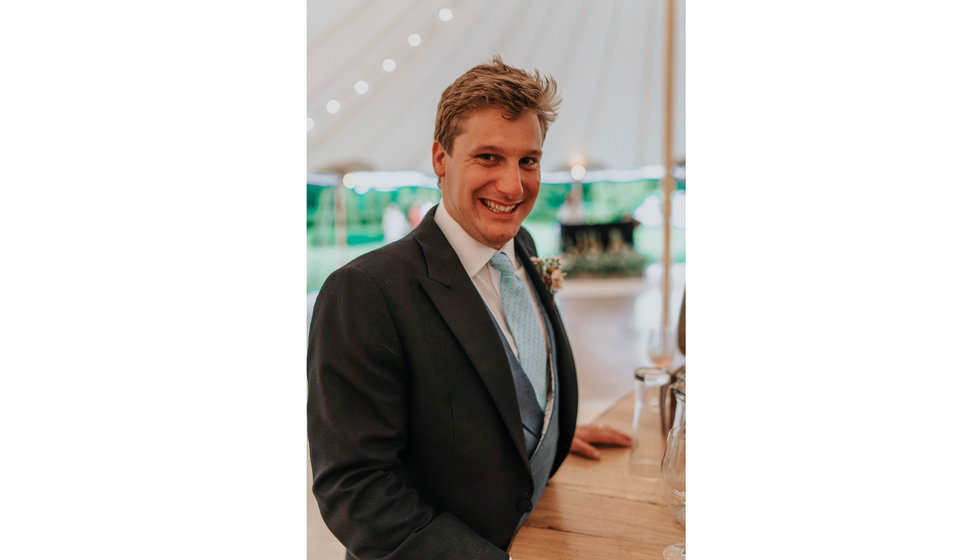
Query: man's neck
<point x="471" y="252"/>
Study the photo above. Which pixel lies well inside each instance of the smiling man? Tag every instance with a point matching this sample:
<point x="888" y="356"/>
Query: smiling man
<point x="489" y="186"/>
<point x="442" y="390"/>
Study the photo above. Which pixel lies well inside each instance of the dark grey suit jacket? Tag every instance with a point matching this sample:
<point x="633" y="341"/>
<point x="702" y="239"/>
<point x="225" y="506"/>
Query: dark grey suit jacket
<point x="415" y="434"/>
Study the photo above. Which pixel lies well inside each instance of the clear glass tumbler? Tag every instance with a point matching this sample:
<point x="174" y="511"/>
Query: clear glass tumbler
<point x="647" y="450"/>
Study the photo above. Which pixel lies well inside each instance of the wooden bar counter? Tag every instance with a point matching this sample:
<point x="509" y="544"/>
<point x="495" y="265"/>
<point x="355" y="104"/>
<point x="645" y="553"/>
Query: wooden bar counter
<point x="596" y="510"/>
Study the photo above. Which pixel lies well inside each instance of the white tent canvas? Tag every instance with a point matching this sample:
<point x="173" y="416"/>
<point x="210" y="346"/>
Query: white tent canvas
<point x="607" y="56"/>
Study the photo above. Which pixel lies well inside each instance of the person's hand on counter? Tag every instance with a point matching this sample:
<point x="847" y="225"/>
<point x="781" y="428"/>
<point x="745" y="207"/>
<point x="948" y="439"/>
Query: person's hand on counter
<point x="587" y="437"/>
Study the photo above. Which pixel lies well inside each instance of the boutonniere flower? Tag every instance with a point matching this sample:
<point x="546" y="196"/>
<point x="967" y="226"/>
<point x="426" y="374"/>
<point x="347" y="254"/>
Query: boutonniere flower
<point x="550" y="271"/>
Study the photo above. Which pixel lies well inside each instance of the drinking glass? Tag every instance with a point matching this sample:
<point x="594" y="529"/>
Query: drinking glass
<point x="647" y="451"/>
<point x="674" y="468"/>
<point x="661" y="345"/>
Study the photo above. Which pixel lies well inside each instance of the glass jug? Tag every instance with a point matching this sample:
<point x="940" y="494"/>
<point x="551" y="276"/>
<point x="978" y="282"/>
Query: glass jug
<point x="675" y="470"/>
<point x="675" y="456"/>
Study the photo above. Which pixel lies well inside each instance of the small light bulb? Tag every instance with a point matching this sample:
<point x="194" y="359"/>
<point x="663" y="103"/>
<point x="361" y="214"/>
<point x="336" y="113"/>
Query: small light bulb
<point x="388" y="65"/>
<point x="445" y="14"/>
<point x="414" y="39"/>
<point x="578" y="172"/>
<point x="333" y="106"/>
<point x="350" y="180"/>
<point x="361" y="87"/>
<point x="309" y="124"/>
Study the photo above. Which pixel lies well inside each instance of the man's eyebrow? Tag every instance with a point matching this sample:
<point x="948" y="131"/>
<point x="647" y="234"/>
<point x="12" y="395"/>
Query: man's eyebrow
<point x="486" y="148"/>
<point x="491" y="148"/>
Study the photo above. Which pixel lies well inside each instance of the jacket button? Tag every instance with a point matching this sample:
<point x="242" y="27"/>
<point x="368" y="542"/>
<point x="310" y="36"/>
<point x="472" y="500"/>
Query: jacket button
<point x="524" y="505"/>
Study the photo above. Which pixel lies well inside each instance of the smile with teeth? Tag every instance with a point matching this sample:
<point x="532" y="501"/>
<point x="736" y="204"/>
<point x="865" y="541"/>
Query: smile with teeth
<point x="498" y="208"/>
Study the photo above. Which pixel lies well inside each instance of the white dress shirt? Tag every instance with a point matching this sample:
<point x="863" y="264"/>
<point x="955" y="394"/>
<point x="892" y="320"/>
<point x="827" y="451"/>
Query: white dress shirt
<point x="475" y="257"/>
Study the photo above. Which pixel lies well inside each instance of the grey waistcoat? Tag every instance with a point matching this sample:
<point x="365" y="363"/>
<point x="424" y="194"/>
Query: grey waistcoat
<point x="541" y="448"/>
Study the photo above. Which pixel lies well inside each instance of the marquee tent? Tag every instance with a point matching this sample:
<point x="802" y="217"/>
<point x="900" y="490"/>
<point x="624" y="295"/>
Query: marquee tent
<point x="376" y="69"/>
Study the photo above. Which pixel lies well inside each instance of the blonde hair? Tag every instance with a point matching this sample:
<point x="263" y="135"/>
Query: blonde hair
<point x="495" y="85"/>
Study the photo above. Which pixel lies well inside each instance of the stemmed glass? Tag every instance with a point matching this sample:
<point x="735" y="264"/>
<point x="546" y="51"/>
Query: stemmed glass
<point x="661" y="345"/>
<point x="674" y="467"/>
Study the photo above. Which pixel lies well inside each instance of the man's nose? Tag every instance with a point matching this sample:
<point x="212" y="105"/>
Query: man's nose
<point x="511" y="184"/>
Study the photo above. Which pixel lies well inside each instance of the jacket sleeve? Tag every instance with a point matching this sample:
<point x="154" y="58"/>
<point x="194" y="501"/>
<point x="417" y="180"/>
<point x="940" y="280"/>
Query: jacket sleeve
<point x="358" y="406"/>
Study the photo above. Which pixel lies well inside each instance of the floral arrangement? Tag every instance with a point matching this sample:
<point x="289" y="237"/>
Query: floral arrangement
<point x="550" y="271"/>
<point x="622" y="264"/>
<point x="587" y="258"/>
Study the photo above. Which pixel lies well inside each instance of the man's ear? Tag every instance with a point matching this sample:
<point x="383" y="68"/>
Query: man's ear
<point x="438" y="159"/>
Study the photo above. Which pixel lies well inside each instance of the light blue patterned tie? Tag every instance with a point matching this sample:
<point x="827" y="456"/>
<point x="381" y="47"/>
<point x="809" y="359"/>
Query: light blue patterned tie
<point x="523" y="322"/>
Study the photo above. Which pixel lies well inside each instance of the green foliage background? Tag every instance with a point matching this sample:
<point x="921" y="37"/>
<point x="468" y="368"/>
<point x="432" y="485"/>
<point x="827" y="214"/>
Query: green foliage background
<point x="604" y="202"/>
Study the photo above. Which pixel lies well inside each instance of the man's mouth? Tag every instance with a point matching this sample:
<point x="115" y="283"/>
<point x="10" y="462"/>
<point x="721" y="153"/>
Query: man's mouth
<point x="498" y="208"/>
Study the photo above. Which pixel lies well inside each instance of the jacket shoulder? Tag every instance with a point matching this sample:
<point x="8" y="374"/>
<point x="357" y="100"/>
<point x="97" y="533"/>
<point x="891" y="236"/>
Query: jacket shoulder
<point x="400" y="258"/>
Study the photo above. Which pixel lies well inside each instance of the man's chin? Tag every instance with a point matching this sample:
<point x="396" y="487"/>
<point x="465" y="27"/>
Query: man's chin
<point x="499" y="237"/>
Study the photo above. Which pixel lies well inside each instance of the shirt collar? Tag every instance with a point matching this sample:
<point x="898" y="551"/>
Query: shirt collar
<point x="473" y="254"/>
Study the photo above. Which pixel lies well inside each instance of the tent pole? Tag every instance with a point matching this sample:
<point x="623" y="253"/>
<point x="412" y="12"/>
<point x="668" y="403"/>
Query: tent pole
<point x="667" y="183"/>
<point x="340" y="222"/>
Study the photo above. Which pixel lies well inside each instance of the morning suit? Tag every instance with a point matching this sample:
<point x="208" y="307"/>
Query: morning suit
<point x="416" y="439"/>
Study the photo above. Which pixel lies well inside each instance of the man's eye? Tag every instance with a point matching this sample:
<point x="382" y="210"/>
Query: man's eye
<point x="486" y="157"/>
<point x="529" y="162"/>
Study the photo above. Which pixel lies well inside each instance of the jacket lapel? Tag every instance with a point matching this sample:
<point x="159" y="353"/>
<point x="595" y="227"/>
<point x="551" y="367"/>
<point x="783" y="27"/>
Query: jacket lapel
<point x="457" y="300"/>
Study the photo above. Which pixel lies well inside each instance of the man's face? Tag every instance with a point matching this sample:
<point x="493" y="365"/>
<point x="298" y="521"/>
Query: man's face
<point x="492" y="178"/>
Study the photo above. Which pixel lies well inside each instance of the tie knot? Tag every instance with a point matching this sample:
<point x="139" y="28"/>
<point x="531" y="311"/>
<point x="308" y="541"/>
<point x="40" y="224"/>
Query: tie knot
<point x="501" y="262"/>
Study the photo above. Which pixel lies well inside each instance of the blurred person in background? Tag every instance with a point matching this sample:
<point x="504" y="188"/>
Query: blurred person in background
<point x="394" y="223"/>
<point x="572" y="211"/>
